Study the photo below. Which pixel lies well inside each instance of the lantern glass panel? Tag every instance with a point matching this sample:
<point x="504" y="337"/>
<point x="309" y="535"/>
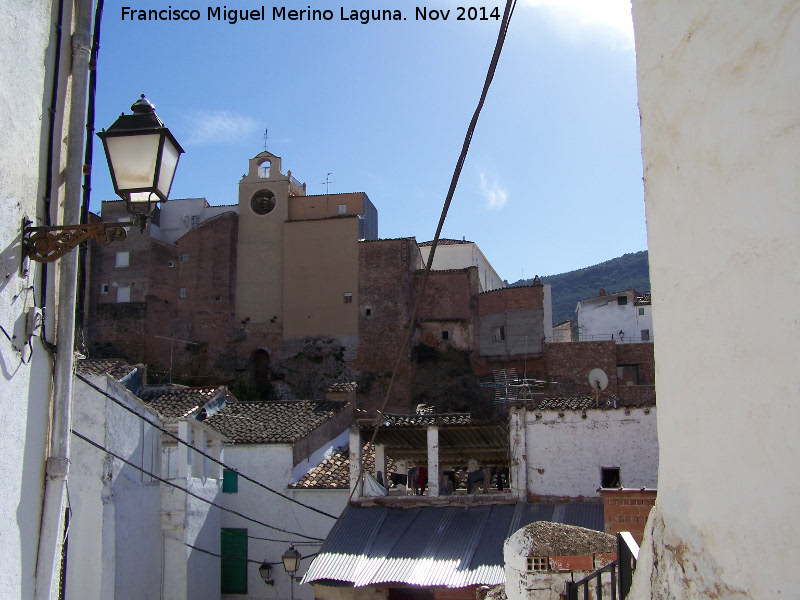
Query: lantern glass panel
<point x="169" y="160"/>
<point x="133" y="160"/>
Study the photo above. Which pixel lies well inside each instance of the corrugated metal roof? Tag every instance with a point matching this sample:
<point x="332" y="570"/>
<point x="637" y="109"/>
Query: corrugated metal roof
<point x="452" y="546"/>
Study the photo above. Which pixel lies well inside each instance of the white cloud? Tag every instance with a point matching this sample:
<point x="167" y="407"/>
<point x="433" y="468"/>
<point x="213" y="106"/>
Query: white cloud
<point x="577" y="19"/>
<point x="219" y="127"/>
<point x="495" y="196"/>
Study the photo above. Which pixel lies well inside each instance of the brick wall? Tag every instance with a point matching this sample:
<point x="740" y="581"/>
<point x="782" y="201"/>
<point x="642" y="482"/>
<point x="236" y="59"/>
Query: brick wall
<point x="123" y="325"/>
<point x="568" y="364"/>
<point x="639" y="354"/>
<point x="511" y="321"/>
<point x="627" y="510"/>
<point x="385" y="289"/>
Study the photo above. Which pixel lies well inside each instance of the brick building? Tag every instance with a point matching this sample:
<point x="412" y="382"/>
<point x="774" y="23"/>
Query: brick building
<point x="216" y="294"/>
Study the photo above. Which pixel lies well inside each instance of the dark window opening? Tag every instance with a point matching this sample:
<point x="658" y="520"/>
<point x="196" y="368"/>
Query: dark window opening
<point x="263" y="202"/>
<point x="609" y="477"/>
<point x="628" y="374"/>
<point x="445" y="335"/>
<point x="645" y="335"/>
<point x="622" y="300"/>
<point x="368" y="312"/>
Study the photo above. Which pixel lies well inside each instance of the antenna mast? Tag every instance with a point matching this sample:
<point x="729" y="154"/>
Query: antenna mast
<point x="327" y="184"/>
<point x="266" y="137"/>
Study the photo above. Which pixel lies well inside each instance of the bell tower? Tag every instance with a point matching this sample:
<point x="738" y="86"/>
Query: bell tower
<point x="263" y="208"/>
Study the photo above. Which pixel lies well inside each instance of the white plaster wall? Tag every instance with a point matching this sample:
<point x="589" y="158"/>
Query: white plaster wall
<point x="719" y="84"/>
<point x="461" y="256"/>
<point x="25" y="377"/>
<point x="176" y="217"/>
<point x="600" y="318"/>
<point x="565" y="454"/>
<point x="114" y="535"/>
<point x="271" y="464"/>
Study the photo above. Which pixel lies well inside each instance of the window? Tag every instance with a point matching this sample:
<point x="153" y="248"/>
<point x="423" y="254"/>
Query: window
<point x="609" y="477"/>
<point x="185" y="257"/>
<point x="181" y="293"/>
<point x="538" y="564"/>
<point x="499" y="334"/>
<point x="262" y="202"/>
<point x="368" y="312"/>
<point x="195" y="221"/>
<point x="123" y="259"/>
<point x="218" y="299"/>
<point x="348" y="297"/>
<point x="645" y="335"/>
<point x="124" y="220"/>
<point x="343" y="209"/>
<point x="124" y="294"/>
<point x="641" y="311"/>
<point x="628" y="374"/>
<point x="233" y="567"/>
<point x="622" y="300"/>
<point x="445" y="335"/>
<point x="103" y="288"/>
<point x="230" y="482"/>
<point x="263" y="170"/>
<point x="170" y="264"/>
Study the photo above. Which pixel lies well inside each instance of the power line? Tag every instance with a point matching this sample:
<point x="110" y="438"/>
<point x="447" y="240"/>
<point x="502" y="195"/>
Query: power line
<point x="203" y="454"/>
<point x="255" y="537"/>
<point x="501" y="37"/>
<point x="192" y="494"/>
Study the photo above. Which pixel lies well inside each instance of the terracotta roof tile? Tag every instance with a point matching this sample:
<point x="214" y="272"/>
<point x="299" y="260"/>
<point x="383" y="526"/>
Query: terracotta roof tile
<point x="334" y="472"/>
<point x="343" y="386"/>
<point x="117" y="368"/>
<point x="177" y="402"/>
<point x="272" y="422"/>
<point x="445" y="242"/>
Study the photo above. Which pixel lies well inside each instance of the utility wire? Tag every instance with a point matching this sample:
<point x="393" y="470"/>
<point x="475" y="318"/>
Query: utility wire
<point x="250" y="560"/>
<point x="192" y="494"/>
<point x="255" y="537"/>
<point x="204" y="454"/>
<point x="509" y="10"/>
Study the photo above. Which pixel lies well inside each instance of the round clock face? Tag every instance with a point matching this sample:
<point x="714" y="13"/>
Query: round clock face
<point x="262" y="202"/>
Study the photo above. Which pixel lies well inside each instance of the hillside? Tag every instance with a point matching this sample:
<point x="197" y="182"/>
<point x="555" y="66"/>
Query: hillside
<point x="629" y="271"/>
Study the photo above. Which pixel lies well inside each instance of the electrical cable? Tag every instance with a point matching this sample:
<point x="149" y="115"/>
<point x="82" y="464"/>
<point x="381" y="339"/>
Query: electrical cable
<point x="200" y="452"/>
<point x="509" y="10"/>
<point x="192" y="494"/>
<point x="255" y="537"/>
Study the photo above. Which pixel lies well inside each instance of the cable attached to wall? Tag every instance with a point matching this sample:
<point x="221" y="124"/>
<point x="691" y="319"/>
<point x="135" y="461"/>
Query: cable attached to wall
<point x="200" y="452"/>
<point x="186" y="491"/>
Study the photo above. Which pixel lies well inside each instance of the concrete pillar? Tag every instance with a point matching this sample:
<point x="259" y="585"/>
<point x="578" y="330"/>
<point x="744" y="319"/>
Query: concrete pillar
<point x="433" y="461"/>
<point x="518" y="468"/>
<point x="355" y="461"/>
<point x="380" y="462"/>
<point x="200" y="461"/>
<point x="402" y="469"/>
<point x="184" y="452"/>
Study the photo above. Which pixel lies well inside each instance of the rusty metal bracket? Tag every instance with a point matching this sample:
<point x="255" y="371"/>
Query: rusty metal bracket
<point x="47" y="244"/>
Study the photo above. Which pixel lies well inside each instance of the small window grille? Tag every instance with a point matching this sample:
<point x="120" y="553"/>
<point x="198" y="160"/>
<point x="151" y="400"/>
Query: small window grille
<point x="185" y="257"/>
<point x="538" y="564"/>
<point x="348" y="298"/>
<point x="641" y="311"/>
<point x="195" y="221"/>
<point x="181" y="293"/>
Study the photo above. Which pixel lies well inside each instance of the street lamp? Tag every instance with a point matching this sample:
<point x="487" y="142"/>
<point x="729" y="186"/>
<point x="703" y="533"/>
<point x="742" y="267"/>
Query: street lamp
<point x="291" y="562"/>
<point x="265" y="570"/>
<point x="142" y="157"/>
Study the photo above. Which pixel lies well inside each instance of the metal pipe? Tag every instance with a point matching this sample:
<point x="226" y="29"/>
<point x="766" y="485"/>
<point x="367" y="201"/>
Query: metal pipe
<point x="48" y="565"/>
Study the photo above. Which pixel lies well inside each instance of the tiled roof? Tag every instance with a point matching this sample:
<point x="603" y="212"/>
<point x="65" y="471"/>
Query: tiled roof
<point x="583" y="403"/>
<point x="272" y="422"/>
<point x="117" y="368"/>
<point x="348" y="386"/>
<point x="642" y="300"/>
<point x="333" y="473"/>
<point x="177" y="402"/>
<point x="445" y="242"/>
<point x="427" y="420"/>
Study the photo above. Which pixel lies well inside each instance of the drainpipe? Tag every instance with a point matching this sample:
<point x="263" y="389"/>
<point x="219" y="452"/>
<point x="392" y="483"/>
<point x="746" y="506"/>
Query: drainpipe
<point x="48" y="564"/>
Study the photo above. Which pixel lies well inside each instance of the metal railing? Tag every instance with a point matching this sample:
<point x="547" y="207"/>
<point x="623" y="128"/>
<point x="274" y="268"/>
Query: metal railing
<point x="621" y="571"/>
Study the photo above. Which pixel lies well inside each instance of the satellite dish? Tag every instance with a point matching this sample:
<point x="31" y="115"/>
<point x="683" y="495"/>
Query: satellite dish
<point x="599" y="381"/>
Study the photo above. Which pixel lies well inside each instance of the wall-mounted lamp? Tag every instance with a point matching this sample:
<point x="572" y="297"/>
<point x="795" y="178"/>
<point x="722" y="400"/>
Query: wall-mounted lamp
<point x="291" y="562"/>
<point x="265" y="570"/>
<point x="621" y="335"/>
<point x="142" y="156"/>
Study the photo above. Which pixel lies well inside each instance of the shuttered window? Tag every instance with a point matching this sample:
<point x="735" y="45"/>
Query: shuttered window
<point x="234" y="561"/>
<point x="230" y="481"/>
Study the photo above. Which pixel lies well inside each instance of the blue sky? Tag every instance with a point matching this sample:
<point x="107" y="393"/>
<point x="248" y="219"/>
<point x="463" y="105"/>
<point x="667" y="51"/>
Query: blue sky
<point x="553" y="180"/>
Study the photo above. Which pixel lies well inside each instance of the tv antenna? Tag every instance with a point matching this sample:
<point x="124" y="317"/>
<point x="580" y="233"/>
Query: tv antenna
<point x="172" y="341"/>
<point x="598" y="381"/>
<point x="327" y="184"/>
<point x="266" y="138"/>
